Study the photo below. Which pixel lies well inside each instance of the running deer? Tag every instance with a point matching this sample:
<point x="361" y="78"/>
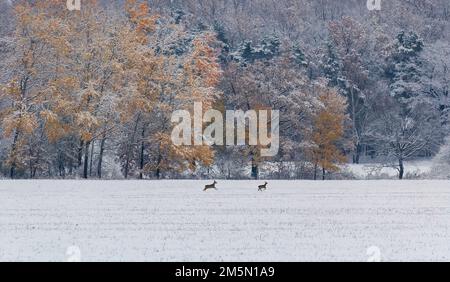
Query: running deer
<point x="211" y="186"/>
<point x="262" y="187"/>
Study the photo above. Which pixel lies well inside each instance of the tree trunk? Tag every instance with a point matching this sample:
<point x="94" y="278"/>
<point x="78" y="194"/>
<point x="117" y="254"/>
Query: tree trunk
<point x="100" y="157"/>
<point x="401" y="170"/>
<point x="315" y="171"/>
<point x="92" y="158"/>
<point x="80" y="152"/>
<point x="71" y="158"/>
<point x="61" y="166"/>
<point x="158" y="169"/>
<point x="255" y="168"/>
<point x="30" y="165"/>
<point x="141" y="157"/>
<point x="50" y="172"/>
<point x="70" y="166"/>
<point x="12" y="172"/>
<point x="30" y="160"/>
<point x="323" y="173"/>
<point x="357" y="154"/>
<point x="127" y="161"/>
<point x="86" y="160"/>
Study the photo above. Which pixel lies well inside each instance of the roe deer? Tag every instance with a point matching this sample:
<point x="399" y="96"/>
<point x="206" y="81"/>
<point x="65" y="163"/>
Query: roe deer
<point x="211" y="186"/>
<point x="262" y="187"/>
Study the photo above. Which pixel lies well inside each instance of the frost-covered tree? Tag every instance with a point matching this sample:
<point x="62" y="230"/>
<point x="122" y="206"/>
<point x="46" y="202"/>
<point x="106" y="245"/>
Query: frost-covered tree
<point x="90" y="93"/>
<point x="157" y="80"/>
<point x="266" y="50"/>
<point x="400" y="136"/>
<point x="411" y="125"/>
<point x="437" y="87"/>
<point x="441" y="162"/>
<point x="328" y="132"/>
<point x="19" y="118"/>
<point x="299" y="56"/>
<point x="405" y="68"/>
<point x="331" y="66"/>
<point x="349" y="39"/>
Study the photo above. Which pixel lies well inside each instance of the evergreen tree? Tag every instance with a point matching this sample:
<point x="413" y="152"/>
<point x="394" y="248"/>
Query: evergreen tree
<point x="244" y="54"/>
<point x="331" y="67"/>
<point x="178" y="16"/>
<point x="298" y="56"/>
<point x="223" y="40"/>
<point x="269" y="48"/>
<point x="405" y="68"/>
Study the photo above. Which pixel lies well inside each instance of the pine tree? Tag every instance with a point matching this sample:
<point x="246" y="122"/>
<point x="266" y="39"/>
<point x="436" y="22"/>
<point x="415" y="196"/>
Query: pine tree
<point x="331" y="67"/>
<point x="222" y="38"/>
<point x="405" y="68"/>
<point x="268" y="49"/>
<point x="408" y="124"/>
<point x="298" y="56"/>
<point x="245" y="53"/>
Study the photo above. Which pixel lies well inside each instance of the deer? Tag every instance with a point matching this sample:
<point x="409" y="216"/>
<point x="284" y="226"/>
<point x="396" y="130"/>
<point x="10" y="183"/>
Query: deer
<point x="262" y="187"/>
<point x="210" y="186"/>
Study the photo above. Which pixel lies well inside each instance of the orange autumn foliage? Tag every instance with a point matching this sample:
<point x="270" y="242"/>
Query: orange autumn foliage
<point x="328" y="131"/>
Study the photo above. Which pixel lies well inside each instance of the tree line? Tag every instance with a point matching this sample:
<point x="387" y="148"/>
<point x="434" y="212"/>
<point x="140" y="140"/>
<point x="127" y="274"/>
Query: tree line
<point x="90" y="93"/>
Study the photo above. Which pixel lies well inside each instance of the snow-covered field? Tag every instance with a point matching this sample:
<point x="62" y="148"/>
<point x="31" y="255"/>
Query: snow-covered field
<point x="176" y="221"/>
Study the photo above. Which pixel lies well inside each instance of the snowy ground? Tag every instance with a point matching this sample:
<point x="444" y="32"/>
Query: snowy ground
<point x="176" y="221"/>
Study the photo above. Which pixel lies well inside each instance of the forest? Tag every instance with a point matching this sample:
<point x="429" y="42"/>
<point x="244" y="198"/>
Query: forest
<point x="90" y="93"/>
